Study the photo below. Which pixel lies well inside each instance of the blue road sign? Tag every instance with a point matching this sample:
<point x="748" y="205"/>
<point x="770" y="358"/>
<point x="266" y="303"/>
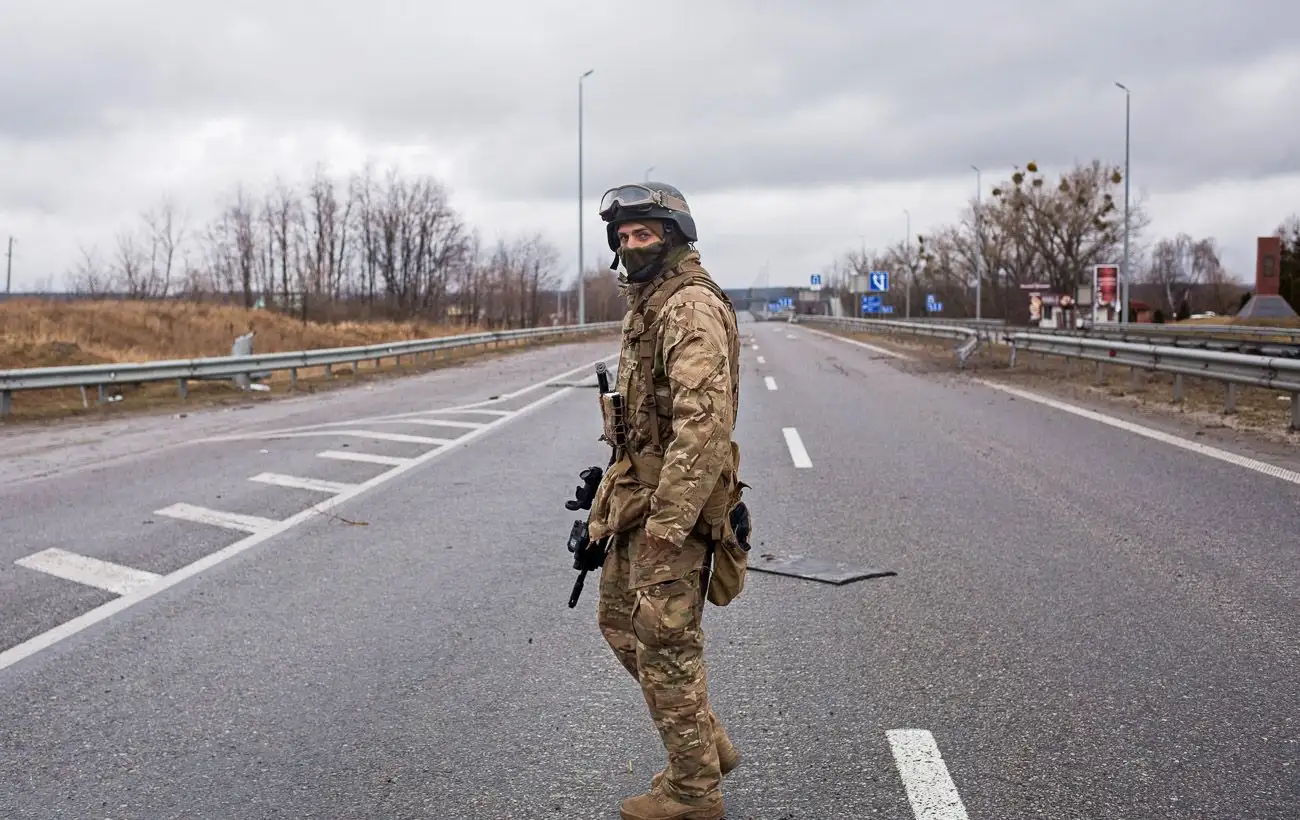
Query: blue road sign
<point x="887" y="309"/>
<point x="929" y="301"/>
<point x="878" y="281"/>
<point x="870" y="304"/>
<point x="816" y="278"/>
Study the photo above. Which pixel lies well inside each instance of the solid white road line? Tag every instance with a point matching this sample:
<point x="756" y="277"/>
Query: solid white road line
<point x="89" y="571"/>
<point x="770" y="382"/>
<point x="1262" y="467"/>
<point x="294" y="482"/>
<point x="872" y="348"/>
<point x="50" y="637"/>
<point x="797" y="451"/>
<point x="929" y="788"/>
<point x="1137" y="429"/>
<point x="218" y="518"/>
<point x="367" y="458"/>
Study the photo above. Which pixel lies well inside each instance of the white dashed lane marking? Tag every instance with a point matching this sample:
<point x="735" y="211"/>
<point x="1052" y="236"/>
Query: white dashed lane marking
<point x="92" y="572"/>
<point x="770" y="382"/>
<point x="365" y="458"/>
<point x="930" y="789"/>
<point x="371" y="434"/>
<point x="797" y="452"/>
<point x="761" y="360"/>
<point x="297" y="483"/>
<point x="465" y="425"/>
<point x="218" y="518"/>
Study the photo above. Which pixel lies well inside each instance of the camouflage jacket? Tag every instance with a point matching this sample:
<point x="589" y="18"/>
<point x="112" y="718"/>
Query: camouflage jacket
<point x="679" y="476"/>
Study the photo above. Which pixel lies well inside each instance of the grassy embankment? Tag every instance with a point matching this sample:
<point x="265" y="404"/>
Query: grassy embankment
<point x="37" y="333"/>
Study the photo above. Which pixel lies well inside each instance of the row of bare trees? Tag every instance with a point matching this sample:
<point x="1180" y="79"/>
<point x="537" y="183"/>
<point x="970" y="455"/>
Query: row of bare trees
<point x="1037" y="231"/>
<point x="375" y="245"/>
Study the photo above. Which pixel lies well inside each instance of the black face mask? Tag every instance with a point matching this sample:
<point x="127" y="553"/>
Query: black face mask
<point x="644" y="263"/>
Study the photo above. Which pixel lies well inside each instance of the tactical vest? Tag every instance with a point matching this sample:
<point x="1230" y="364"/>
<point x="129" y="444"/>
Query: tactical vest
<point x="646" y="451"/>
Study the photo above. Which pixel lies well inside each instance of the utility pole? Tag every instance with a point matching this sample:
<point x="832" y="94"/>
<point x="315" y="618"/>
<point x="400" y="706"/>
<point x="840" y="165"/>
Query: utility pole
<point x="907" y="253"/>
<point x="979" y="243"/>
<point x="582" y="275"/>
<point x="9" y="269"/>
<point x="1126" y="277"/>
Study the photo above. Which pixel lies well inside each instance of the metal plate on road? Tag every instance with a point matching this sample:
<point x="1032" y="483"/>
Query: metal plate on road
<point x="799" y="566"/>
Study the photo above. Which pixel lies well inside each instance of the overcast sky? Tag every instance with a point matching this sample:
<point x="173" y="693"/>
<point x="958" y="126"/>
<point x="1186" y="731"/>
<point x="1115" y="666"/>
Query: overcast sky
<point x="797" y="130"/>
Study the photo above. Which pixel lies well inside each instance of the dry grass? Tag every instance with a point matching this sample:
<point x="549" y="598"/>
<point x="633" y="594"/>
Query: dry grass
<point x="35" y="333"/>
<point x="1258" y="410"/>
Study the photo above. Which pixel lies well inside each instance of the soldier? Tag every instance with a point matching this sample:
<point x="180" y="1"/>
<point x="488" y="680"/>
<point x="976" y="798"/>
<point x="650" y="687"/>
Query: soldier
<point x="668" y="496"/>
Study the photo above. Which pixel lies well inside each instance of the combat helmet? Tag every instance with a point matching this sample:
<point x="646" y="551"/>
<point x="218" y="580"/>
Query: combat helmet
<point x="650" y="200"/>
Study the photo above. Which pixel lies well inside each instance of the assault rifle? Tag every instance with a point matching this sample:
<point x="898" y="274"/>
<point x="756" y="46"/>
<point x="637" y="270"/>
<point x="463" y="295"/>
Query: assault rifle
<point x="589" y="555"/>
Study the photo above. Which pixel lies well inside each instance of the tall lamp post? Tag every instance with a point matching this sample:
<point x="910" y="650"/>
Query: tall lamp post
<point x="582" y="284"/>
<point x="979" y="243"/>
<point x="1127" y="276"/>
<point x="647" y="173"/>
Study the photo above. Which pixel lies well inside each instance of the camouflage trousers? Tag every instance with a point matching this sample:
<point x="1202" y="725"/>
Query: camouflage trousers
<point x="656" y="633"/>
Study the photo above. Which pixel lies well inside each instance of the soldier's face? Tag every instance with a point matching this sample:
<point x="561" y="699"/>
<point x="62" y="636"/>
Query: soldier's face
<point x="636" y="235"/>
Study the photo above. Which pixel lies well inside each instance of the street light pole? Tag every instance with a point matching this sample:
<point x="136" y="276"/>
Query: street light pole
<point x="9" y="269"/>
<point x="907" y="251"/>
<point x="979" y="243"/>
<point x="582" y="283"/>
<point x="1127" y="276"/>
<point x="647" y="173"/>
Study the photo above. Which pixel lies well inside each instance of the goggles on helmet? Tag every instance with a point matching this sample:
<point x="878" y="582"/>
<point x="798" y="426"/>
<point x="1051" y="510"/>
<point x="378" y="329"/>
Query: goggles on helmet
<point x="638" y="197"/>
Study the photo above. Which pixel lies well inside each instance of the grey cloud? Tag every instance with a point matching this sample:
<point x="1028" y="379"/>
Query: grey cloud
<point x="718" y="96"/>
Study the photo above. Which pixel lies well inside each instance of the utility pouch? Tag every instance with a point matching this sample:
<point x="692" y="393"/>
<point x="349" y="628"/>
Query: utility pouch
<point x="613" y="415"/>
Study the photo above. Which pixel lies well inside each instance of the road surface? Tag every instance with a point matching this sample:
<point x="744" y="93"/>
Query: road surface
<point x="1083" y="621"/>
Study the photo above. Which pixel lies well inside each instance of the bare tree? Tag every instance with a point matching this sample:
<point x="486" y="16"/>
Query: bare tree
<point x="166" y="234"/>
<point x="90" y="277"/>
<point x="1178" y="266"/>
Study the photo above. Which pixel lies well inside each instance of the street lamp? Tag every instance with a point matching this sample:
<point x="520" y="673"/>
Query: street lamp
<point x="582" y="289"/>
<point x="979" y="243"/>
<point x="1127" y="277"/>
<point x="647" y="173"/>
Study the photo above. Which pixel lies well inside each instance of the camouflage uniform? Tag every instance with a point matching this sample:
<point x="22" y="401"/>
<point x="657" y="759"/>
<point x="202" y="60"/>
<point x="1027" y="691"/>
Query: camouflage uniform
<point x="676" y="483"/>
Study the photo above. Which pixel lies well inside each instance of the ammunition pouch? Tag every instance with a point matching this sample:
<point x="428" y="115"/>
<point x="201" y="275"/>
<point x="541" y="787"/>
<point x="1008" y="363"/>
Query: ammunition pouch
<point x="613" y="416"/>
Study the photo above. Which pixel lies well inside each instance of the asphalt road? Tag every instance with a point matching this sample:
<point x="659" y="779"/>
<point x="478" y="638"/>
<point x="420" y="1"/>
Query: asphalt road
<point x="1083" y="622"/>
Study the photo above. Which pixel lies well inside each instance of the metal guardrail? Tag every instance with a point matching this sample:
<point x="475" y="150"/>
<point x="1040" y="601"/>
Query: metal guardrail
<point x="969" y="337"/>
<point x="1282" y="334"/>
<point x="1233" y="369"/>
<point x="1260" y="341"/>
<point x="1181" y="359"/>
<point x="102" y="376"/>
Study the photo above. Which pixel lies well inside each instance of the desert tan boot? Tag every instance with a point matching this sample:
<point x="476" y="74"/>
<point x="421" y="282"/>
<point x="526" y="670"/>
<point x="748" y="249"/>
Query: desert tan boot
<point x="655" y="805"/>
